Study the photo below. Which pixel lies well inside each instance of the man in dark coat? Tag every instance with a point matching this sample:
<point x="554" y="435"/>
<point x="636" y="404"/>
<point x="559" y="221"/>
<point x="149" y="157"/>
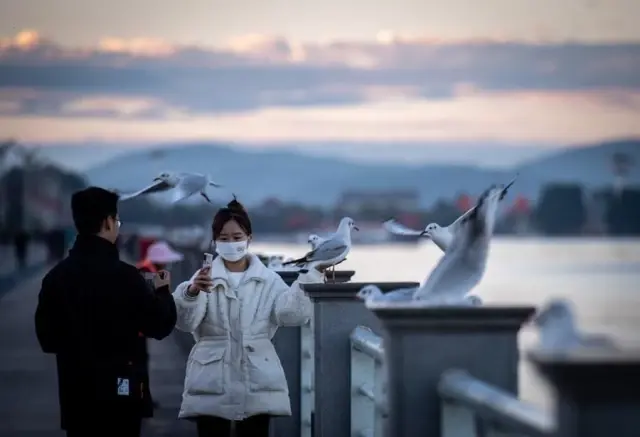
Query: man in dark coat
<point x="91" y="308"/>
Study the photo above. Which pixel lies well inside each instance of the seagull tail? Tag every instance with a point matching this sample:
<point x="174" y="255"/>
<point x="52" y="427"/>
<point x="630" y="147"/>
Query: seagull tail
<point x="298" y="261"/>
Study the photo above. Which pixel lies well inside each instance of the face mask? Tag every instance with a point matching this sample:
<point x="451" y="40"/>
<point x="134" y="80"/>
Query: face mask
<point x="232" y="251"/>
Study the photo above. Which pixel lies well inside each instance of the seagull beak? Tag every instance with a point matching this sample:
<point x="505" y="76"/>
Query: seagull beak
<point x="506" y="189"/>
<point x="156" y="179"/>
<point x="356" y="228"/>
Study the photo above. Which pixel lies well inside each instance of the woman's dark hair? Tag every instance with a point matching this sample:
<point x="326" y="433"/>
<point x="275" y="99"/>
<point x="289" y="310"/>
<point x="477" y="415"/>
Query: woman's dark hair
<point x="233" y="211"/>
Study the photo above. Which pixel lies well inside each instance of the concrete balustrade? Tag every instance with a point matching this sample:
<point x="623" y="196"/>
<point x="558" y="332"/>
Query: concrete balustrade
<point x="406" y="371"/>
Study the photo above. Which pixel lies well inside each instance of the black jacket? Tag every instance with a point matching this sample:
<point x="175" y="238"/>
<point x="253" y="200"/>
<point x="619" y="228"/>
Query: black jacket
<point x="91" y="309"/>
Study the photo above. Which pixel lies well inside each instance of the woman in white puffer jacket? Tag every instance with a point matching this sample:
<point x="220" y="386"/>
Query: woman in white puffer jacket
<point x="233" y="310"/>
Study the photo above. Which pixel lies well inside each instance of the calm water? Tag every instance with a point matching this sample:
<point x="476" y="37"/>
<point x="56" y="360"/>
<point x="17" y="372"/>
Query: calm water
<point x="601" y="277"/>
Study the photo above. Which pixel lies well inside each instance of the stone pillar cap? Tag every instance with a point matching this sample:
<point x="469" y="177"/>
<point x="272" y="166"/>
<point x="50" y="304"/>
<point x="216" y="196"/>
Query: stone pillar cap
<point x="348" y="290"/>
<point x="341" y="275"/>
<point x="590" y="372"/>
<point x="412" y="315"/>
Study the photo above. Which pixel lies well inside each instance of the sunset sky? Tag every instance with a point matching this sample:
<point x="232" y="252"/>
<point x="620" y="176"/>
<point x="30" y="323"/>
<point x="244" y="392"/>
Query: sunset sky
<point x="552" y="72"/>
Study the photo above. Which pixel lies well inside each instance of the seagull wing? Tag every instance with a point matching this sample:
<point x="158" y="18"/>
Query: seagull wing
<point x="460" y="221"/>
<point x="328" y="250"/>
<point x="392" y="226"/>
<point x="153" y="188"/>
<point x="317" y="243"/>
<point x="455" y="274"/>
<point x="188" y="185"/>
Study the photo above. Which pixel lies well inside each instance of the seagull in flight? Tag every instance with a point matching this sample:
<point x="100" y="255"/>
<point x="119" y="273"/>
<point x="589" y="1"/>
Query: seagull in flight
<point x="465" y="260"/>
<point x="442" y="236"/>
<point x="182" y="185"/>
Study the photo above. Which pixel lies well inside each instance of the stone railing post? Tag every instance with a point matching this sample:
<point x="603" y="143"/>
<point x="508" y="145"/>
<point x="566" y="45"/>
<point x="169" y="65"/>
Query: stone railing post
<point x="336" y="314"/>
<point x="421" y="343"/>
<point x="287" y="343"/>
<point x="596" y="393"/>
<point x="181" y="272"/>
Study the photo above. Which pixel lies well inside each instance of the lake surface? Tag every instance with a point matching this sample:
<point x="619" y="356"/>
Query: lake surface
<point x="600" y="276"/>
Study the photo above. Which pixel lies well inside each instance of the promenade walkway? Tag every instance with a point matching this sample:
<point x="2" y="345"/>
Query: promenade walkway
<point x="28" y="394"/>
<point x="8" y="265"/>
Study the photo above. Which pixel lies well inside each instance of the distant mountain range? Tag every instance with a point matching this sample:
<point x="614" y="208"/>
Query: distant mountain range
<point x="257" y="175"/>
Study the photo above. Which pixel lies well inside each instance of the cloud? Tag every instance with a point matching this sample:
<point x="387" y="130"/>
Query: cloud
<point x="151" y="78"/>
<point x="520" y="117"/>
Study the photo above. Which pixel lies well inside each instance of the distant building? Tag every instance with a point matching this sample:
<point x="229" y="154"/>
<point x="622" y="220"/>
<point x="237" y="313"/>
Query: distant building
<point x="352" y="202"/>
<point x="464" y="202"/>
<point x="35" y="196"/>
<point x="270" y="206"/>
<point x="519" y="212"/>
<point x="596" y="208"/>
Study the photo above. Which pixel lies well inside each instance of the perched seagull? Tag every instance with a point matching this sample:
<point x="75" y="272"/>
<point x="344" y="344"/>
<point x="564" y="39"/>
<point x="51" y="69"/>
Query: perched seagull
<point x="372" y="293"/>
<point x="332" y="251"/>
<point x="315" y="240"/>
<point x="464" y="262"/>
<point x="183" y="185"/>
<point x="558" y="330"/>
<point x="441" y="236"/>
<point x="275" y="262"/>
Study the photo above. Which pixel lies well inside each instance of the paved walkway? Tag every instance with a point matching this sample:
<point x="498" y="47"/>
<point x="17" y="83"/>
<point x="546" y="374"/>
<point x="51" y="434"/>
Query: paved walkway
<point x="8" y="277"/>
<point x="8" y="264"/>
<point x="28" y="394"/>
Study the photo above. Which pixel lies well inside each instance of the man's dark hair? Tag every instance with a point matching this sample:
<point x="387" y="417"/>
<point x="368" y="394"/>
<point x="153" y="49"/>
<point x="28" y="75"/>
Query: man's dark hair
<point x="91" y="207"/>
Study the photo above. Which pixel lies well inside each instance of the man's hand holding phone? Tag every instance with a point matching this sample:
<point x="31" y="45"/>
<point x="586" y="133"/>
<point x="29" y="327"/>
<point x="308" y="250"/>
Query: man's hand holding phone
<point x="161" y="279"/>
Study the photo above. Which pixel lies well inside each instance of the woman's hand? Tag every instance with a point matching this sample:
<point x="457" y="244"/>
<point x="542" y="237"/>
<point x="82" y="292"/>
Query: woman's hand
<point x="201" y="282"/>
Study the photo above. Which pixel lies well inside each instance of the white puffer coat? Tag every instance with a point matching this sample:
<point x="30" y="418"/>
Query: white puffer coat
<point x="233" y="370"/>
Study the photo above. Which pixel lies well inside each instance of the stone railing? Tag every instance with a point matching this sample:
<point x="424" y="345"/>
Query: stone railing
<point x="368" y="384"/>
<point x="442" y="372"/>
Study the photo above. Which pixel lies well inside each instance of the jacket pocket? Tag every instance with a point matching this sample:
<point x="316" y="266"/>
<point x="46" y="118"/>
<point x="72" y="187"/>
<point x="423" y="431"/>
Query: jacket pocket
<point x="205" y="371"/>
<point x="265" y="370"/>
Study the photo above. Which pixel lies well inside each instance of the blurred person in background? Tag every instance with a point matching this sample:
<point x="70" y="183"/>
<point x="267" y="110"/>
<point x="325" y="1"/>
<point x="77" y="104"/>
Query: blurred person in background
<point x="21" y="246"/>
<point x="90" y="310"/>
<point x="55" y="242"/>
<point x="159" y="257"/>
<point x="233" y="308"/>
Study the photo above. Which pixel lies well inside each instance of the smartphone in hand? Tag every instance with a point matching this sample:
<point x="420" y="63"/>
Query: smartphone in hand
<point x="149" y="278"/>
<point x="162" y="278"/>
